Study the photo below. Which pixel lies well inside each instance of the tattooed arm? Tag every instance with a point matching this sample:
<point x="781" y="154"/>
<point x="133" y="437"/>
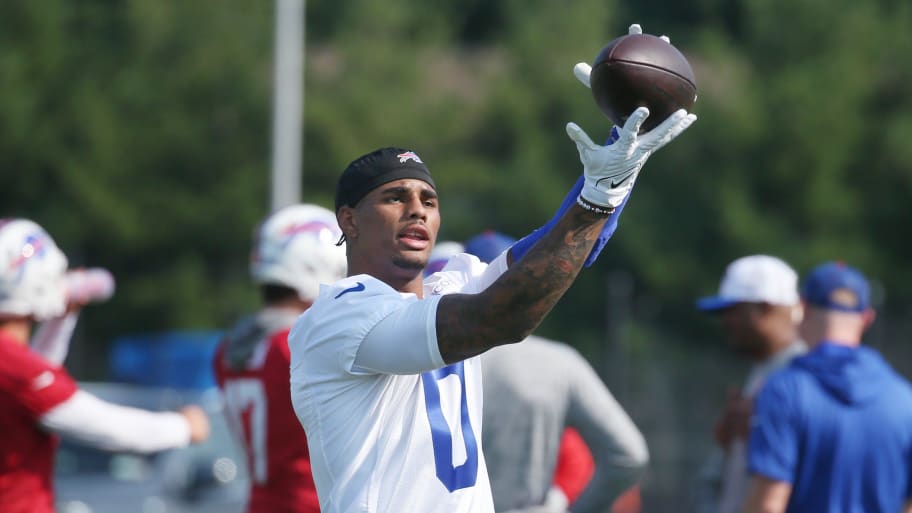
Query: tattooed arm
<point x="514" y="305"/>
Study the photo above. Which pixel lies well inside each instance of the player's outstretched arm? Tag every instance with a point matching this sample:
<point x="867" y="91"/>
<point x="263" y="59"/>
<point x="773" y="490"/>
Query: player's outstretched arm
<point x="514" y="305"/>
<point x="92" y="421"/>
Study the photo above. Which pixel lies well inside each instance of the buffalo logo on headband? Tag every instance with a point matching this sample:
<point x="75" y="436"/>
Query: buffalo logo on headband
<point x="409" y="155"/>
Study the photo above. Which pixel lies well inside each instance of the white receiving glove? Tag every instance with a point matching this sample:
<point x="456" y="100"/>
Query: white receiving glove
<point x="610" y="171"/>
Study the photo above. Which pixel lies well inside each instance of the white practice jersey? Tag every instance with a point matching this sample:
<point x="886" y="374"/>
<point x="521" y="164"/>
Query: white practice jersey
<point x="391" y="428"/>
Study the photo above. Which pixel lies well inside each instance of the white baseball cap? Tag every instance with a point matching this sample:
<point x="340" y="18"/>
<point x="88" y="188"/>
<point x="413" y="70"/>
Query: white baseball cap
<point x="754" y="279"/>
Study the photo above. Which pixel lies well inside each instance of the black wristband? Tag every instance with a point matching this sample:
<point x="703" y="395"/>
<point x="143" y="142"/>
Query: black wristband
<point x="592" y="207"/>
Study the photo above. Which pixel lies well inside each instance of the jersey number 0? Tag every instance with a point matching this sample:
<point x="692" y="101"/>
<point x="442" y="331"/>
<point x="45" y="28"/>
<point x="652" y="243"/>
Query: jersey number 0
<point x="453" y="477"/>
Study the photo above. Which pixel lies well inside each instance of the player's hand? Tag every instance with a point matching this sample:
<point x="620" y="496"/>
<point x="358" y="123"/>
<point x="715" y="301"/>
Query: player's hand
<point x="582" y="70"/>
<point x="84" y="286"/>
<point x="734" y="422"/>
<point x="198" y="422"/>
<point x="610" y="171"/>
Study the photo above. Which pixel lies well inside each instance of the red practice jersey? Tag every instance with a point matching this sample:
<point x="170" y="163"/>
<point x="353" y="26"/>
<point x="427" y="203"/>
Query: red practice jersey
<point x="252" y="369"/>
<point x="575" y="465"/>
<point x="29" y="388"/>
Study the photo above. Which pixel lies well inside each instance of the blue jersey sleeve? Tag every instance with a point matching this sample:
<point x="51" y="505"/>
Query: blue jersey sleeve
<point x="522" y="246"/>
<point x="773" y="441"/>
<point x="908" y="496"/>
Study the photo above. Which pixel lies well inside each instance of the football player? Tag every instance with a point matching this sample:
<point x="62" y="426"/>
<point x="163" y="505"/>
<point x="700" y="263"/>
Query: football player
<point x="294" y="251"/>
<point x="38" y="398"/>
<point x="384" y="373"/>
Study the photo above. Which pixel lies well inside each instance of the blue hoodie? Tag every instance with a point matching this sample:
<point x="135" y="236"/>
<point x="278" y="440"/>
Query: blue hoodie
<point x="836" y="424"/>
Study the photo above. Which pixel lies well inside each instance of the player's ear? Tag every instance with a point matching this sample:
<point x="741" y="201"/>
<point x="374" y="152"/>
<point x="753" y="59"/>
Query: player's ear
<point x="347" y="222"/>
<point x="869" y="315"/>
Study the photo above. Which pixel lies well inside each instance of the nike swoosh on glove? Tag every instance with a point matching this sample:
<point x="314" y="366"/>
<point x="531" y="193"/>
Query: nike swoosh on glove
<point x="610" y="171"/>
<point x="522" y="246"/>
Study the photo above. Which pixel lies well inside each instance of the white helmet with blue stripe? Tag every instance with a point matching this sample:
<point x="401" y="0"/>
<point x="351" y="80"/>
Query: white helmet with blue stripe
<point x="32" y="272"/>
<point x="296" y="247"/>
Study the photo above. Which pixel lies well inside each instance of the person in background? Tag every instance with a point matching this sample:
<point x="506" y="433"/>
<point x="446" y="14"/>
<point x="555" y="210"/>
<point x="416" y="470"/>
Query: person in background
<point x="555" y="437"/>
<point x="38" y="399"/>
<point x="833" y="430"/>
<point x="293" y="253"/>
<point x="758" y="305"/>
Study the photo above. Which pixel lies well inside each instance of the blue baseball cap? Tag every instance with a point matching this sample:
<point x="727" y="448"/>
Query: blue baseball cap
<point x="837" y="286"/>
<point x="488" y="245"/>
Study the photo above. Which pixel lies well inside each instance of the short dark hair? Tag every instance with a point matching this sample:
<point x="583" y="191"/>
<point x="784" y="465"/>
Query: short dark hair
<point x="375" y="169"/>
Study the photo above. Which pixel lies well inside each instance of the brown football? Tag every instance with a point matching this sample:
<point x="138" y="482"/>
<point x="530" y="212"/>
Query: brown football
<point x="642" y="70"/>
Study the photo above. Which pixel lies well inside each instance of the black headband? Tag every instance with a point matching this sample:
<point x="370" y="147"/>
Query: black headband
<point x="376" y="168"/>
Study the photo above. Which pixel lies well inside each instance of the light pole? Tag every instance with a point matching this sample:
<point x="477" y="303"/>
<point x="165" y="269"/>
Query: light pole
<point x="288" y="103"/>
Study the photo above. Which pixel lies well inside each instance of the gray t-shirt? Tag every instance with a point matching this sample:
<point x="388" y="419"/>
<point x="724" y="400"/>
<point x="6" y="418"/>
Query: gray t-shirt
<point x="532" y="390"/>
